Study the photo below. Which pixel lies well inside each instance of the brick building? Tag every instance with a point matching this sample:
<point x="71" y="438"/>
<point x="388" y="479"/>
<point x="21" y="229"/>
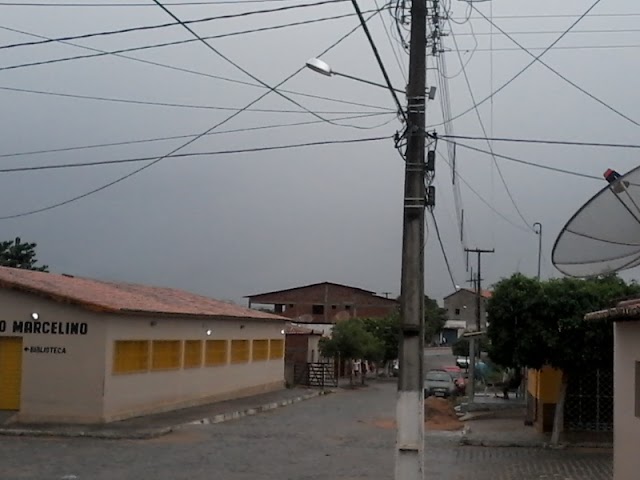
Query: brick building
<point x="325" y="303"/>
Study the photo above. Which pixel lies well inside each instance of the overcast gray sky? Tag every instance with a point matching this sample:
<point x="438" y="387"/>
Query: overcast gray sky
<point x="229" y="226"/>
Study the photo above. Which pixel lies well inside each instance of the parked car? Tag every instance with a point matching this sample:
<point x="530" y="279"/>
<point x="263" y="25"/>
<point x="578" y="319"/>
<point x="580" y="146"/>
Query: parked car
<point x="459" y="378"/>
<point x="462" y="362"/>
<point x="439" y="383"/>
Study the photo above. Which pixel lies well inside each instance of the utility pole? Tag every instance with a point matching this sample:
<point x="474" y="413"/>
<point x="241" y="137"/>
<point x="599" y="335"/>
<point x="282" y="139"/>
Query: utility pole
<point x="410" y="401"/>
<point x="471" y="385"/>
<point x="539" y="233"/>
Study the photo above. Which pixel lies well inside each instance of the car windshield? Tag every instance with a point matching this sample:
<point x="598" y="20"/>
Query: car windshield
<point x="438" y="377"/>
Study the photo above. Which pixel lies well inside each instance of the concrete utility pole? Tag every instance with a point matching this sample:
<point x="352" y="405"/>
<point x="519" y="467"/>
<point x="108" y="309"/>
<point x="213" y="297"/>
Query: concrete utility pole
<point x="410" y="403"/>
<point x="479" y="251"/>
<point x="539" y="233"/>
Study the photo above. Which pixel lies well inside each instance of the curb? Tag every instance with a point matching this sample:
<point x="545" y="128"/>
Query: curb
<point x="147" y="434"/>
<point x="465" y="440"/>
<point x="226" y="417"/>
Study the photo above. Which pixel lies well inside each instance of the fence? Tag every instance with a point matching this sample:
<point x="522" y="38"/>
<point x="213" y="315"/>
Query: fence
<point x="315" y="375"/>
<point x="589" y="403"/>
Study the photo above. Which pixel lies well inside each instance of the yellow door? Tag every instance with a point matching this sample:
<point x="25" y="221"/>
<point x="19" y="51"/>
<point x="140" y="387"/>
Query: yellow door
<point x="10" y="372"/>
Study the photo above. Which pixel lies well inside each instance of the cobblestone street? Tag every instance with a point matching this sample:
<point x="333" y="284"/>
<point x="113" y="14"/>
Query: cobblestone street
<point x="336" y="437"/>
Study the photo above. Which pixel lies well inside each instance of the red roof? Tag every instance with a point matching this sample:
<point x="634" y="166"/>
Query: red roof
<point x="125" y="298"/>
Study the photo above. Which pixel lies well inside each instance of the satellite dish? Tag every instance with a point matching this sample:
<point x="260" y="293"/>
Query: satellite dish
<point x="604" y="235"/>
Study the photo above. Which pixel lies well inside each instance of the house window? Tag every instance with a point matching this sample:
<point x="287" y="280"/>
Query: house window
<point x="317" y="309"/>
<point x="166" y="354"/>
<point x="239" y="351"/>
<point x="192" y="354"/>
<point x="347" y="307"/>
<point x="637" y="389"/>
<point x="260" y="350"/>
<point x="333" y="307"/>
<point x="276" y="349"/>
<point x="291" y="305"/>
<point x="215" y="353"/>
<point x="457" y="311"/>
<point x="130" y="356"/>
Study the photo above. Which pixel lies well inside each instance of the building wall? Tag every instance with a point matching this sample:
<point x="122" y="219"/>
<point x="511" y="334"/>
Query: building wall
<point x="461" y="306"/>
<point x="543" y="389"/>
<point x="62" y="375"/>
<point x="626" y="461"/>
<point x="135" y="394"/>
<point x="337" y="303"/>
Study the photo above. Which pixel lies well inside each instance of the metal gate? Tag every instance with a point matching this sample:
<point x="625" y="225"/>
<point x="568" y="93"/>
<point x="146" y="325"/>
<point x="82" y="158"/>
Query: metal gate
<point x="589" y="403"/>
<point x="315" y="375"/>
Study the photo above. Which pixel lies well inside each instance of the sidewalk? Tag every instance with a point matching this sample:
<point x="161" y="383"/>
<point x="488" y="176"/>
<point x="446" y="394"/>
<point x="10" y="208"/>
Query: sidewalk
<point x="506" y="428"/>
<point x="151" y="426"/>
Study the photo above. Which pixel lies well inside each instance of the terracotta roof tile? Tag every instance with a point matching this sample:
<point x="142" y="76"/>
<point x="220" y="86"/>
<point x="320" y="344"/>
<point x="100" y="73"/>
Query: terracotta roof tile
<point x="123" y="297"/>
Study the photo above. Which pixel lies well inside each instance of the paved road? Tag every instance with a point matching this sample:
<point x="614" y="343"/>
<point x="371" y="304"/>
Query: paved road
<point x="438" y="358"/>
<point x="345" y="436"/>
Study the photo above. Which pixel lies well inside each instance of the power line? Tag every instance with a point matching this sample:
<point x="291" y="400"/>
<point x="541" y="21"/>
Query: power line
<point x="525" y="162"/>
<point x="484" y="131"/>
<point x="444" y="252"/>
<point x="193" y="154"/>
<point x="568" y="47"/>
<point x="543" y="141"/>
<point x="383" y="69"/>
<point x="392" y="45"/>
<point x="172" y="24"/>
<point x="552" y="32"/>
<point x="203" y="74"/>
<point x="530" y="64"/>
<point x="179" y="137"/>
<point x="168" y="104"/>
<point x="118" y="53"/>
<point x="560" y="15"/>
<point x="236" y="65"/>
<point x="570" y="82"/>
<point x="176" y="4"/>
<point x="189" y="142"/>
<point x="483" y="200"/>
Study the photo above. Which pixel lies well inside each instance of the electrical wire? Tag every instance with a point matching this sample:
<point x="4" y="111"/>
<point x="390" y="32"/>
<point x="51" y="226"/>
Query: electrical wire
<point x="238" y="66"/>
<point x="175" y="150"/>
<point x="631" y="14"/>
<point x="172" y="24"/>
<point x="483" y="200"/>
<point x="204" y="74"/>
<point x="372" y="43"/>
<point x="570" y="82"/>
<point x="484" y="131"/>
<point x="553" y="32"/>
<point x="60" y="166"/>
<point x="544" y="141"/>
<point x="176" y="4"/>
<point x="179" y="137"/>
<point x="444" y="252"/>
<point x="393" y="47"/>
<point x="118" y="53"/>
<point x="170" y="104"/>
<point x="529" y="65"/>
<point x="525" y="162"/>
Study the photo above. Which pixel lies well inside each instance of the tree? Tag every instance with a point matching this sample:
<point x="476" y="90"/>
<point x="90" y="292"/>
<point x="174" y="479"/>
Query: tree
<point x="434" y="318"/>
<point x="534" y="323"/>
<point x="387" y="332"/>
<point x="460" y="347"/>
<point x="16" y="254"/>
<point x="350" y="341"/>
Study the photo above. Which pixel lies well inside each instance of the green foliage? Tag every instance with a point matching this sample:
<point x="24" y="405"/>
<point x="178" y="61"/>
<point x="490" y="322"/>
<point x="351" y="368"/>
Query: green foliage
<point x="536" y="323"/>
<point x="350" y="340"/>
<point x="387" y="332"/>
<point x="16" y="254"/>
<point x="434" y="318"/>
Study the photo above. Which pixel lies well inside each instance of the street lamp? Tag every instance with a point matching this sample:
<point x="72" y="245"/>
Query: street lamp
<point x="323" y="68"/>
<point x="539" y="233"/>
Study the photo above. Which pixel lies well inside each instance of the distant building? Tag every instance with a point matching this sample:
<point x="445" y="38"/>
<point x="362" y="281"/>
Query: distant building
<point x="76" y="350"/>
<point x="325" y="304"/>
<point x="461" y="313"/>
